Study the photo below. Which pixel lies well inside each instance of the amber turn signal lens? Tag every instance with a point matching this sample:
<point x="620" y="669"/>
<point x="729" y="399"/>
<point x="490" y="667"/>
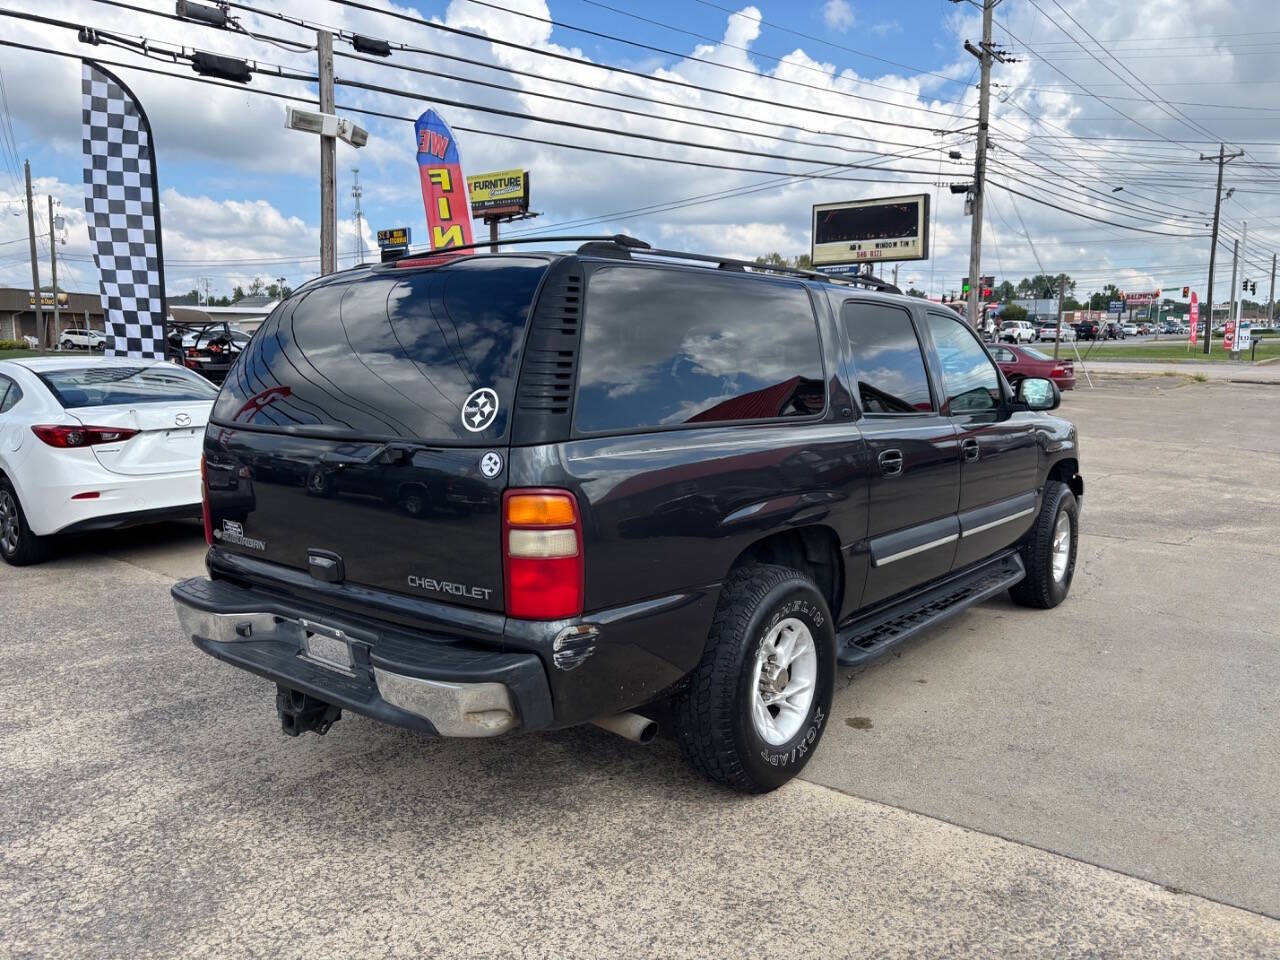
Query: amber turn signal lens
<point x="541" y="510"/>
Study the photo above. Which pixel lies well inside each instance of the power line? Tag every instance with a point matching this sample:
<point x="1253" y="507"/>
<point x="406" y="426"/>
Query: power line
<point x="683" y="56"/>
<point x="832" y="43"/>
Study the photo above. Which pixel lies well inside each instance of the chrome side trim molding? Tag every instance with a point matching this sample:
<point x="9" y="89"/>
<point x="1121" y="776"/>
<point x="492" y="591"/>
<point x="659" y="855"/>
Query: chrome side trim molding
<point x="911" y="552"/>
<point x="995" y="523"/>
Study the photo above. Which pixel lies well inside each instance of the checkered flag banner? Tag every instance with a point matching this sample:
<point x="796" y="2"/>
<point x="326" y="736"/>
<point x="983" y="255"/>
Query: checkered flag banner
<point x="121" y="201"/>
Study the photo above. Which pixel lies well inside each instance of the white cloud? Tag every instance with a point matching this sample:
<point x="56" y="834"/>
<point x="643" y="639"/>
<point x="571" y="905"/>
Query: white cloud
<point x="837" y="14"/>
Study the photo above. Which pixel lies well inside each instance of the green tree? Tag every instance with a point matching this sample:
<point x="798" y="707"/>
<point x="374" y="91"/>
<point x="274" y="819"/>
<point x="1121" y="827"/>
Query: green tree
<point x="913" y="292"/>
<point x="1099" y="300"/>
<point x="1012" y="312"/>
<point x="237" y="294"/>
<point x="1005" y="291"/>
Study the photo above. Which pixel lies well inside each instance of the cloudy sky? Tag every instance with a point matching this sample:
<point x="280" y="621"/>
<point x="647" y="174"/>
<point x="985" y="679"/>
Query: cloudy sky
<point x="1104" y="111"/>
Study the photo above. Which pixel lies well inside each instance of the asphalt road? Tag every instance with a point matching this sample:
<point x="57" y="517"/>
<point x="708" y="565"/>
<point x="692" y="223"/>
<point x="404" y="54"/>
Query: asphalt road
<point x="1097" y="780"/>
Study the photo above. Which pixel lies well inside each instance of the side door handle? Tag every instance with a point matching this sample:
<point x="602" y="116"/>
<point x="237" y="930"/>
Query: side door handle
<point x="970" y="447"/>
<point x="890" y="462"/>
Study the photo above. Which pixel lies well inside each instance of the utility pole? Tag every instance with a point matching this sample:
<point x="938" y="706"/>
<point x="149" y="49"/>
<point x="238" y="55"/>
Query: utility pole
<point x="328" y="159"/>
<point x="356" y="194"/>
<point x="1062" y="299"/>
<point x="1222" y="159"/>
<point x="53" y="266"/>
<point x="35" y="264"/>
<point x="985" y="54"/>
<point x="1271" y="297"/>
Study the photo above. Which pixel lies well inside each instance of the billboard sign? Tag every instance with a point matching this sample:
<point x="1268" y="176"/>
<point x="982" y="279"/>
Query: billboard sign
<point x="500" y="194"/>
<point x="444" y="189"/>
<point x="395" y="237"/>
<point x="1142" y="299"/>
<point x="1244" y="335"/>
<point x="1115" y="306"/>
<point x="858" y="231"/>
<point x="1195" y="315"/>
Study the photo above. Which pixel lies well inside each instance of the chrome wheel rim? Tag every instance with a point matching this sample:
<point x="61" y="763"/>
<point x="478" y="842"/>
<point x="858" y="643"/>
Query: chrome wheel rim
<point x="8" y="523"/>
<point x="1061" y="546"/>
<point x="783" y="681"/>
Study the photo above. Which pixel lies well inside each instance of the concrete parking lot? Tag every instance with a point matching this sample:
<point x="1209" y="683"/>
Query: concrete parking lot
<point x="1097" y="780"/>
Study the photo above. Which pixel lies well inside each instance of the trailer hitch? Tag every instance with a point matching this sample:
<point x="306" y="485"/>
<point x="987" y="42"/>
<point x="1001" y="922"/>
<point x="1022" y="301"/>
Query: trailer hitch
<point x="300" y="712"/>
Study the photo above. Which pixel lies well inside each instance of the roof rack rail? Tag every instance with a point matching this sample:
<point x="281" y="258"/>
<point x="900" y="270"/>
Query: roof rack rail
<point x="730" y="263"/>
<point x="619" y="239"/>
<point x="626" y="245"/>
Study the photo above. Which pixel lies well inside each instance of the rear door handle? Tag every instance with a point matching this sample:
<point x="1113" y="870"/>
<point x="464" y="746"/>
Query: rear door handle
<point x="891" y="463"/>
<point x="970" y="447"/>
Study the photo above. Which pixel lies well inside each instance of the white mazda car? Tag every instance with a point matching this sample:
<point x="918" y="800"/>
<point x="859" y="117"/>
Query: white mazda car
<point x="92" y="444"/>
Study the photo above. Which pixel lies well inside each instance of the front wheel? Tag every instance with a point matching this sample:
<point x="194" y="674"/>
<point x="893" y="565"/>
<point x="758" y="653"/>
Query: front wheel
<point x="755" y="707"/>
<point x="1049" y="552"/>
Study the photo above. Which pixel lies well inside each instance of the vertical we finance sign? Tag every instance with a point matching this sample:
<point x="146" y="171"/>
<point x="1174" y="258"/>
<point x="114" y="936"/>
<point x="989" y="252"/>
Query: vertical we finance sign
<point x="444" y="188"/>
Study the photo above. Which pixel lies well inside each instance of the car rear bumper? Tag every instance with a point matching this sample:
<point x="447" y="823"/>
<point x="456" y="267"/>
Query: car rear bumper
<point x="81" y="496"/>
<point x="396" y="675"/>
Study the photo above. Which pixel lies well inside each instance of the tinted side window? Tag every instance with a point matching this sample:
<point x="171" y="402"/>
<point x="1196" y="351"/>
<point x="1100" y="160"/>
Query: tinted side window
<point x="886" y="353"/>
<point x="664" y="347"/>
<point x="968" y="376"/>
<point x="390" y="355"/>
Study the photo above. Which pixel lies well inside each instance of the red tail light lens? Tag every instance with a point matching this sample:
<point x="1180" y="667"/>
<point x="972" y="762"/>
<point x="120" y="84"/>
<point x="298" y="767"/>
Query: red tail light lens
<point x="542" y="554"/>
<point x="204" y="502"/>
<point x="64" y="436"/>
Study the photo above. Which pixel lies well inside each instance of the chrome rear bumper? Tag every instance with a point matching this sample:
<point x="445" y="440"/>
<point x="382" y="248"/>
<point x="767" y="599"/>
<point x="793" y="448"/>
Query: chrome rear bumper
<point x="275" y="644"/>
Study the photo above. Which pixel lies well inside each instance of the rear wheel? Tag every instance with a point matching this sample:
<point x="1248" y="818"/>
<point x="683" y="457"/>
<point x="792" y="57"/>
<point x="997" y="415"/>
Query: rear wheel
<point x="1049" y="552"/>
<point x="18" y="545"/>
<point x="756" y="706"/>
<point x="67" y="344"/>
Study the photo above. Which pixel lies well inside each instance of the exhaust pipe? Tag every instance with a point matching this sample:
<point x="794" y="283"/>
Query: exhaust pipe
<point x="630" y="725"/>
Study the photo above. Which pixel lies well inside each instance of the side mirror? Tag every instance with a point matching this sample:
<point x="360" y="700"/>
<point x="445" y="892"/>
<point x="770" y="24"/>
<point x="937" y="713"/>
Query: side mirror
<point x="1037" y="393"/>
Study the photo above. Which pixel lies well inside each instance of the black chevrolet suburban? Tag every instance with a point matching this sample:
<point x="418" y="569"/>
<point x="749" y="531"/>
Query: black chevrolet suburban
<point x="475" y="493"/>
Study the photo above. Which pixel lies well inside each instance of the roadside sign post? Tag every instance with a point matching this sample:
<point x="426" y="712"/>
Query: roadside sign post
<point x="1195" y="319"/>
<point x="394" y="243"/>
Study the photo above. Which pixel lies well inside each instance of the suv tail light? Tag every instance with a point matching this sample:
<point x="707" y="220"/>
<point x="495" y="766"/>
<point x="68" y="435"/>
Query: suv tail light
<point x="65" y="435"/>
<point x="204" y="502"/>
<point x="542" y="554"/>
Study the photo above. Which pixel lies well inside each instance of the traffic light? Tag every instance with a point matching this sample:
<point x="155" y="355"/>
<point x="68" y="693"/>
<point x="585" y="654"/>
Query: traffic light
<point x="964" y="287"/>
<point x="1186" y="292"/>
<point x="1253" y="286"/>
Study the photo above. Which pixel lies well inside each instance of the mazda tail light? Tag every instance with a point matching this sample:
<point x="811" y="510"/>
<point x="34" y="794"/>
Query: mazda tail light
<point x="67" y="436"/>
<point x="542" y="554"/>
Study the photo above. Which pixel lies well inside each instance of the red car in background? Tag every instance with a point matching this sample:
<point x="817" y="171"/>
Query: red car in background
<point x="1021" y="362"/>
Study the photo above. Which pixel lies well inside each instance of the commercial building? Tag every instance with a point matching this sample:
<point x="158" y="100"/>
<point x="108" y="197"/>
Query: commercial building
<point x="18" y="313"/>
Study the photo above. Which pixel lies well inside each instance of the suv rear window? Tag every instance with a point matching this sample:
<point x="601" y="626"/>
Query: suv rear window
<point x="667" y="347"/>
<point x="389" y="355"/>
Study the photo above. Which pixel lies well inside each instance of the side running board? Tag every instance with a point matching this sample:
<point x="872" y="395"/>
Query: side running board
<point x="872" y="633"/>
